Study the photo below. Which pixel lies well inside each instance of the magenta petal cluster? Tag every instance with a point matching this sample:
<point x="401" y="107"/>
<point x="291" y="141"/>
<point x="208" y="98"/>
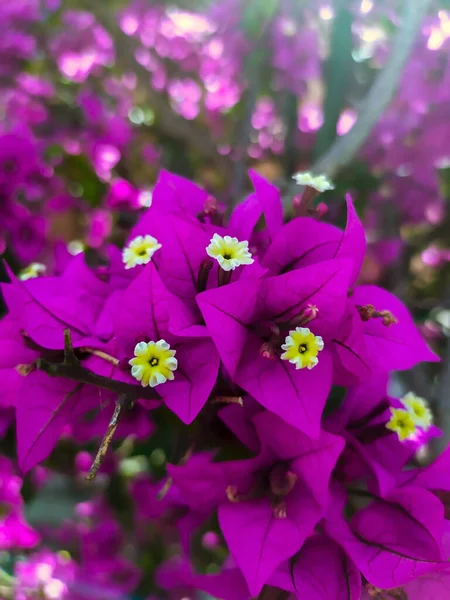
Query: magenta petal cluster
<point x="241" y="332"/>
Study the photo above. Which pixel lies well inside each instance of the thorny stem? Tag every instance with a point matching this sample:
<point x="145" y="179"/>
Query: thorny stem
<point x="121" y="402"/>
<point x="83" y="375"/>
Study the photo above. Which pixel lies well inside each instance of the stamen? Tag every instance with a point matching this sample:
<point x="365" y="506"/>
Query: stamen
<point x="281" y="481"/>
<point x="232" y="494"/>
<point x="319" y="211"/>
<point x="368" y="311"/>
<point x="269" y="349"/>
<point x="305" y="316"/>
<point x="280" y="511"/>
<point x="211" y="212"/>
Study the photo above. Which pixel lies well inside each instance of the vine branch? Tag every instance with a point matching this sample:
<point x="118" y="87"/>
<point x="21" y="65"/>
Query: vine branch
<point x="121" y="402"/>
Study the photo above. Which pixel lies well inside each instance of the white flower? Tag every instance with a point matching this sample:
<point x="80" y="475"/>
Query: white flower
<point x="32" y="271"/>
<point x="321" y="183"/>
<point x="301" y="348"/>
<point x="154" y="363"/>
<point x="418" y="409"/>
<point x="229" y="252"/>
<point x="140" y="251"/>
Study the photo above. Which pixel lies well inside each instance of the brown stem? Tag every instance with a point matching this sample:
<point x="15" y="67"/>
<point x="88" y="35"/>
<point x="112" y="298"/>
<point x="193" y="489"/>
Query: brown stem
<point x="107" y="438"/>
<point x="76" y="372"/>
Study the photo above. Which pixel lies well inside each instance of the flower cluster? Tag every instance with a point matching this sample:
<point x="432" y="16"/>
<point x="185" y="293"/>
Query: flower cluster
<point x="248" y="332"/>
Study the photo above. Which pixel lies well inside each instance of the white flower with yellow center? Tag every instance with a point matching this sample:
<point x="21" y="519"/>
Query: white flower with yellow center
<point x="418" y="409"/>
<point x="301" y="348"/>
<point x="321" y="183"/>
<point x="401" y="423"/>
<point x="229" y="252"/>
<point x="140" y="251"/>
<point x="32" y="271"/>
<point x="154" y="363"/>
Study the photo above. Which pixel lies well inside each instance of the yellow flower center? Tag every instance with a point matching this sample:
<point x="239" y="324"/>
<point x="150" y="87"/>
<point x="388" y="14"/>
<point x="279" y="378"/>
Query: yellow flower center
<point x="418" y="409"/>
<point x="401" y="423"/>
<point x="154" y="363"/>
<point x="301" y="348"/>
<point x="140" y="251"/>
<point x="32" y="271"/>
<point x="229" y="252"/>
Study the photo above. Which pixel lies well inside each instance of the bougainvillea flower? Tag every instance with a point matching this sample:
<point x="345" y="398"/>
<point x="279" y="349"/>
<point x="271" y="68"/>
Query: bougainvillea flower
<point x="250" y="321"/>
<point x="373" y="453"/>
<point x="143" y="317"/>
<point x="270" y="504"/>
<point x="373" y="344"/>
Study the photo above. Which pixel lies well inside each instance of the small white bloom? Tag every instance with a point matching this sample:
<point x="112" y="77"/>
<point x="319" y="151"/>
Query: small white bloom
<point x="229" y="252"/>
<point x="321" y="183"/>
<point x="32" y="271"/>
<point x="75" y="247"/>
<point x="418" y="409"/>
<point x="145" y="198"/>
<point x="154" y="363"/>
<point x="302" y="347"/>
<point x="140" y="251"/>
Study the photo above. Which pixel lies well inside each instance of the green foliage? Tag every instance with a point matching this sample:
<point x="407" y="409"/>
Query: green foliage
<point x="336" y="75"/>
<point x="256" y="15"/>
<point x="82" y="179"/>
